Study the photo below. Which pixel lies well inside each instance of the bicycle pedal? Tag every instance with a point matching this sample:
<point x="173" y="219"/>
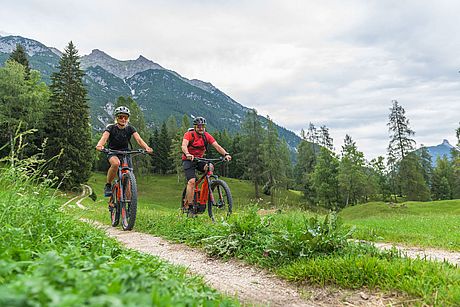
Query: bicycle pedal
<point x="191" y="214"/>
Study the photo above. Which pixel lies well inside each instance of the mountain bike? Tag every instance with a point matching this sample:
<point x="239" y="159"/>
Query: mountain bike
<point x="123" y="202"/>
<point x="210" y="191"/>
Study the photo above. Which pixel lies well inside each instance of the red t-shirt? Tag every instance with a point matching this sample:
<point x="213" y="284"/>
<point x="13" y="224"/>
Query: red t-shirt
<point x="197" y="149"/>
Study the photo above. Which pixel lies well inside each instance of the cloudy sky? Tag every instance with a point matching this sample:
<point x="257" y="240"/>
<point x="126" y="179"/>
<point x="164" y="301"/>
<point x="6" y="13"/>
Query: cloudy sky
<point x="334" y="63"/>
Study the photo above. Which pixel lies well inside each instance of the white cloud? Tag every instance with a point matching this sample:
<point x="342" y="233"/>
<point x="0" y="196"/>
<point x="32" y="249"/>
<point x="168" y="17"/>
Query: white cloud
<point x="333" y="63"/>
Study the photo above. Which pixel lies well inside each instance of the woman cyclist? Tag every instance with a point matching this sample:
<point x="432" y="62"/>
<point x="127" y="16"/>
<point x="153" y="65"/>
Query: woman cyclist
<point x="119" y="136"/>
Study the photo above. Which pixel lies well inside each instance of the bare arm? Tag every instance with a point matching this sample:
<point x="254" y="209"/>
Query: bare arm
<point x="141" y="142"/>
<point x="185" y="149"/>
<point x="103" y="140"/>
<point x="222" y="151"/>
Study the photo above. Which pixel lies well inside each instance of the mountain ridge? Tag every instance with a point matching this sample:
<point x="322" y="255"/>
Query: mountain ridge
<point x="440" y="150"/>
<point x="158" y="91"/>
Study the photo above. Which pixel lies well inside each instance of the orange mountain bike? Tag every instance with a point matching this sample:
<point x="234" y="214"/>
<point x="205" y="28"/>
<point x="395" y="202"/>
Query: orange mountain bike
<point x="210" y="191"/>
<point x="123" y="201"/>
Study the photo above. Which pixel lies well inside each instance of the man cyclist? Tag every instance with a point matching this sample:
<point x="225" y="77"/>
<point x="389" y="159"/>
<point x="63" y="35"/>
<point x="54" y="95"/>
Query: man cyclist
<point x="194" y="144"/>
<point x="119" y="136"/>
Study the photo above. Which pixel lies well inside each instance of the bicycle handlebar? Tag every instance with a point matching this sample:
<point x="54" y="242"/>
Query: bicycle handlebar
<point x="123" y="152"/>
<point x="221" y="159"/>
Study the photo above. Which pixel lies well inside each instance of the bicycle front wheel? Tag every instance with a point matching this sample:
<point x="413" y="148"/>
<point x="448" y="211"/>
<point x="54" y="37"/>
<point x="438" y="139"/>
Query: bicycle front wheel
<point x="114" y="207"/>
<point x="222" y="206"/>
<point x="129" y="201"/>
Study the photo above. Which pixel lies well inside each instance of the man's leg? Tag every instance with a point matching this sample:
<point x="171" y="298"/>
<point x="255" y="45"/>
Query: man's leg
<point x="190" y="192"/>
<point x="189" y="170"/>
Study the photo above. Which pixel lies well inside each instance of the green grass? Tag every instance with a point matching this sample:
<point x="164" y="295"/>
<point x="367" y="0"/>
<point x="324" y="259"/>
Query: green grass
<point x="427" y="224"/>
<point x="164" y="192"/>
<point x="427" y="283"/>
<point x="48" y="258"/>
<point x="299" y="246"/>
<point x="297" y="249"/>
<point x="430" y="224"/>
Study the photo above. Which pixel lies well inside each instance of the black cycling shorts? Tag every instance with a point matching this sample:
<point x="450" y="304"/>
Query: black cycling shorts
<point x="191" y="166"/>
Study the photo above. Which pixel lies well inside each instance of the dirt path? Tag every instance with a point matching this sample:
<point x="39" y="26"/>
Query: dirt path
<point x="255" y="286"/>
<point x="424" y="253"/>
<point x="251" y="285"/>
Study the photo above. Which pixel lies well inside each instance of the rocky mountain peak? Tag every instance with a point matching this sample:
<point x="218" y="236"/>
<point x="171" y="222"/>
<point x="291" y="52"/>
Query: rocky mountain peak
<point x="31" y="47"/>
<point x="446" y="143"/>
<point x="99" y="53"/>
<point x="121" y="69"/>
<point x="141" y="58"/>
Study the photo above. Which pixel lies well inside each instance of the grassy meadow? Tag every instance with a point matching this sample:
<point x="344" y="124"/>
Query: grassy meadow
<point x="426" y="224"/>
<point x="306" y="247"/>
<point x="48" y="258"/>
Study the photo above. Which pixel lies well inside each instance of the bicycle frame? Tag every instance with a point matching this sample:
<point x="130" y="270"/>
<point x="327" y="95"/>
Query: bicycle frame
<point x="203" y="184"/>
<point x="124" y="168"/>
<point x="124" y="199"/>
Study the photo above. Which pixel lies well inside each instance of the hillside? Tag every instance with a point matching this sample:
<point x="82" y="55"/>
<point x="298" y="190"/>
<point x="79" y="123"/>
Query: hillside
<point x="159" y="92"/>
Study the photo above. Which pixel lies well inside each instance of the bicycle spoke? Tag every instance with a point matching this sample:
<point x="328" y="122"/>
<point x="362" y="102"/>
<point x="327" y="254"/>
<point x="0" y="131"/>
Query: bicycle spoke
<point x="222" y="205"/>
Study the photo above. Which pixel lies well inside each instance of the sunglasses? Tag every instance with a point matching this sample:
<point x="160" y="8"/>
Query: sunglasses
<point x="122" y="116"/>
<point x="201" y="126"/>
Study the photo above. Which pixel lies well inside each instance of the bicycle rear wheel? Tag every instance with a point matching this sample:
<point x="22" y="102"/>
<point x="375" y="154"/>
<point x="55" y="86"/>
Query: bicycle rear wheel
<point x="222" y="206"/>
<point x="129" y="203"/>
<point x="115" y="207"/>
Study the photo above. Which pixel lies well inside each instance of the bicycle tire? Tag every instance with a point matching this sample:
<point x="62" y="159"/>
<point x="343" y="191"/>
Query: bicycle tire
<point x="115" y="212"/>
<point x="129" y="205"/>
<point x="182" y="204"/>
<point x="223" y="201"/>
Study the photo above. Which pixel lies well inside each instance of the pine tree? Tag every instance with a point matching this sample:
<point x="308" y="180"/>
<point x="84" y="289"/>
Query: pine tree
<point x="351" y="172"/>
<point x="303" y="170"/>
<point x="225" y="140"/>
<point x="176" y="150"/>
<point x="381" y="176"/>
<point x="236" y="166"/>
<point x="19" y="55"/>
<point x="153" y="143"/>
<point x="325" y="139"/>
<point x="68" y="128"/>
<point x="324" y="179"/>
<point x="425" y="161"/>
<point x="313" y="137"/>
<point x="285" y="156"/>
<point x="253" y="138"/>
<point x="274" y="171"/>
<point x="164" y="147"/>
<point x="171" y="126"/>
<point x="400" y="133"/>
<point x="400" y="143"/>
<point x="411" y="176"/>
<point x="443" y="179"/>
<point x="456" y="167"/>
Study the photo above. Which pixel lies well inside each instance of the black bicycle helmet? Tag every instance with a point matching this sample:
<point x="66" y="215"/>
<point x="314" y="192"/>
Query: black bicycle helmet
<point x="122" y="110"/>
<point x="199" y="121"/>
